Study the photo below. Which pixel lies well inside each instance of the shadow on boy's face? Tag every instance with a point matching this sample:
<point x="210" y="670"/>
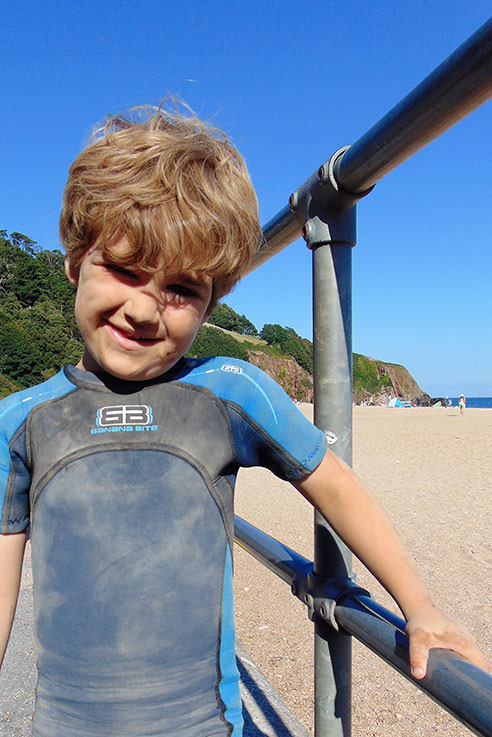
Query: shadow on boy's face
<point x="136" y="324"/>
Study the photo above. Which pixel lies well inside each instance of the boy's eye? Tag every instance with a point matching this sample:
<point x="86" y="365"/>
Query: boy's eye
<point x="182" y="290"/>
<point x="121" y="270"/>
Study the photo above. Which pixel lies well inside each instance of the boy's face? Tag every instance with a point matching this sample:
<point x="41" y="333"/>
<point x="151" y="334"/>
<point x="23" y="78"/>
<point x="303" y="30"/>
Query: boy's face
<point x="136" y="325"/>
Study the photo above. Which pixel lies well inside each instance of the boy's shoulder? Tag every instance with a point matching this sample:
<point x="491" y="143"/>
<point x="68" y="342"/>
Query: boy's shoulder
<point x="15" y="408"/>
<point x="254" y="398"/>
<point x="226" y="364"/>
<point x="227" y="376"/>
<point x="242" y="385"/>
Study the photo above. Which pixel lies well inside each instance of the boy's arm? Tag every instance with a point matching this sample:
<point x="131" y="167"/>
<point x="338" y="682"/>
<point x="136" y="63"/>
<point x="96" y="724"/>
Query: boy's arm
<point x="344" y="501"/>
<point x="11" y="556"/>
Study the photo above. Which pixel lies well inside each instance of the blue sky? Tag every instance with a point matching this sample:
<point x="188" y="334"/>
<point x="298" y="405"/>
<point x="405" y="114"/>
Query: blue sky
<point x="290" y="82"/>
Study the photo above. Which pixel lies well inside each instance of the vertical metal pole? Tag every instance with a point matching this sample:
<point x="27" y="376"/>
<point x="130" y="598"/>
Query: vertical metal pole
<point x="332" y="305"/>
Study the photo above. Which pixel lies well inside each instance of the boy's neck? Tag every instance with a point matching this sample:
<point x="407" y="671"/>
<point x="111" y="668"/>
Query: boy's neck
<point x="125" y="386"/>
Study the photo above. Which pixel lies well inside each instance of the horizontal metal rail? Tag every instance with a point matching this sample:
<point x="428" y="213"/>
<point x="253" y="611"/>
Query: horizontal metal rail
<point x="459" y="687"/>
<point x="274" y="555"/>
<point x="459" y="85"/>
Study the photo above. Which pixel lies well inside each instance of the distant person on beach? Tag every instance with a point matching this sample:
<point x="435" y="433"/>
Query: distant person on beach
<point x="123" y="466"/>
<point x="462" y="404"/>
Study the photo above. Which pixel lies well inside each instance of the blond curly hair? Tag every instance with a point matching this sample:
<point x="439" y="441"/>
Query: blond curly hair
<point x="173" y="186"/>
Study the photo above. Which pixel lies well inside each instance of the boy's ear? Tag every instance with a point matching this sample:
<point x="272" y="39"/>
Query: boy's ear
<point x="209" y="311"/>
<point x="72" y="275"/>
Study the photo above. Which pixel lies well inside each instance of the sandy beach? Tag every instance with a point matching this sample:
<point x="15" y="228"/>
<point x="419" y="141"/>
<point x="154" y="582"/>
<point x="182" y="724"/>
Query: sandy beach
<point x="432" y="471"/>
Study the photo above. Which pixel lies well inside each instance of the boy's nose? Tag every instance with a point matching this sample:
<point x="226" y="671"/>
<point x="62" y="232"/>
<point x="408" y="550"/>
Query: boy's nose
<point x="141" y="308"/>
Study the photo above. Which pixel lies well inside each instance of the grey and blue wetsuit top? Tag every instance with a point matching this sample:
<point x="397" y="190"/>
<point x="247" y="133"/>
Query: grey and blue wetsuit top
<point x="128" y="488"/>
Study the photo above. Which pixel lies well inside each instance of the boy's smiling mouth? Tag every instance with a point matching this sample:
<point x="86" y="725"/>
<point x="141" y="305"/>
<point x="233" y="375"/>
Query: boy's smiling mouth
<point x="126" y="337"/>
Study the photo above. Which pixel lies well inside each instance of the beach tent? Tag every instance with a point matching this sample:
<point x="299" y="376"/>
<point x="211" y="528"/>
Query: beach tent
<point x="395" y="402"/>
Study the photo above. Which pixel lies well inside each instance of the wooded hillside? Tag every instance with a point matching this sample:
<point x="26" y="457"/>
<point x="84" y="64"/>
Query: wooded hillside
<point x="38" y="332"/>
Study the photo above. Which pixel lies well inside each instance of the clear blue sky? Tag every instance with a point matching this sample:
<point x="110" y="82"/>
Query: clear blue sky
<point x="290" y="82"/>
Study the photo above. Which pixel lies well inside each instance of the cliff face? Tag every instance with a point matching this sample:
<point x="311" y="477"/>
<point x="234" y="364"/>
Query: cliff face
<point x="378" y="382"/>
<point x="404" y="382"/>
<point x="292" y="378"/>
<point x="385" y="380"/>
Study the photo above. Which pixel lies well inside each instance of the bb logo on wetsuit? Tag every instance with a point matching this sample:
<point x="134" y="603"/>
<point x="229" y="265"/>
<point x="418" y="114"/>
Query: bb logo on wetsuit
<point x="124" y="414"/>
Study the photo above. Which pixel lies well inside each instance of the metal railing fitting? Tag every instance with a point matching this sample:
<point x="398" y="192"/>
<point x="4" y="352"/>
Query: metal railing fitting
<point x="339" y="604"/>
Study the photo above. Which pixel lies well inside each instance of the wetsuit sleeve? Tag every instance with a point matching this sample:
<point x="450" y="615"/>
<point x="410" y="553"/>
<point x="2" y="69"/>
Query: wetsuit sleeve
<point x="282" y="440"/>
<point x="267" y="427"/>
<point x="14" y="476"/>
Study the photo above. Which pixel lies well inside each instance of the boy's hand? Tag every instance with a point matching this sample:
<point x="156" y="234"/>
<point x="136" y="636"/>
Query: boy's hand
<point x="429" y="628"/>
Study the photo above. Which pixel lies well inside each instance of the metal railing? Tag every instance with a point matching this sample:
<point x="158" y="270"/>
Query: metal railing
<point x="323" y="210"/>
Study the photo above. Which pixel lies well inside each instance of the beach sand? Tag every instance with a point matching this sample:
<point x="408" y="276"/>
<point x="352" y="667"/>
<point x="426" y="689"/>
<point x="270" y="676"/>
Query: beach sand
<point x="432" y="471"/>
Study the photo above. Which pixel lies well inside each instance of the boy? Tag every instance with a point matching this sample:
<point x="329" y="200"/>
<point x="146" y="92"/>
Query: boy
<point x="124" y="465"/>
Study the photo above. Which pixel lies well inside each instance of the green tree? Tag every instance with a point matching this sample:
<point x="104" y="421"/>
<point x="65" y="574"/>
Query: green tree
<point x="25" y="243"/>
<point x="290" y="343"/>
<point x="247" y="327"/>
<point x="273" y="334"/>
<point x="9" y="305"/>
<point x="38" y="331"/>
<point x="20" y="359"/>
<point x="54" y="282"/>
<point x="30" y="272"/>
<point x="48" y="330"/>
<point x="225" y="317"/>
<point x="19" y="272"/>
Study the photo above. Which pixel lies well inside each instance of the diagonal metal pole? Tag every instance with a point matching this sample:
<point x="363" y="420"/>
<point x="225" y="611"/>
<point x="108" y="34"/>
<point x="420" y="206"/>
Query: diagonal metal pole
<point x="459" y="85"/>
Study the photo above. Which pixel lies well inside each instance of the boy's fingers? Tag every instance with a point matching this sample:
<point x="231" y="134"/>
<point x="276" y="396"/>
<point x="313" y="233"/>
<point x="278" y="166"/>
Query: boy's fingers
<point x="421" y="642"/>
